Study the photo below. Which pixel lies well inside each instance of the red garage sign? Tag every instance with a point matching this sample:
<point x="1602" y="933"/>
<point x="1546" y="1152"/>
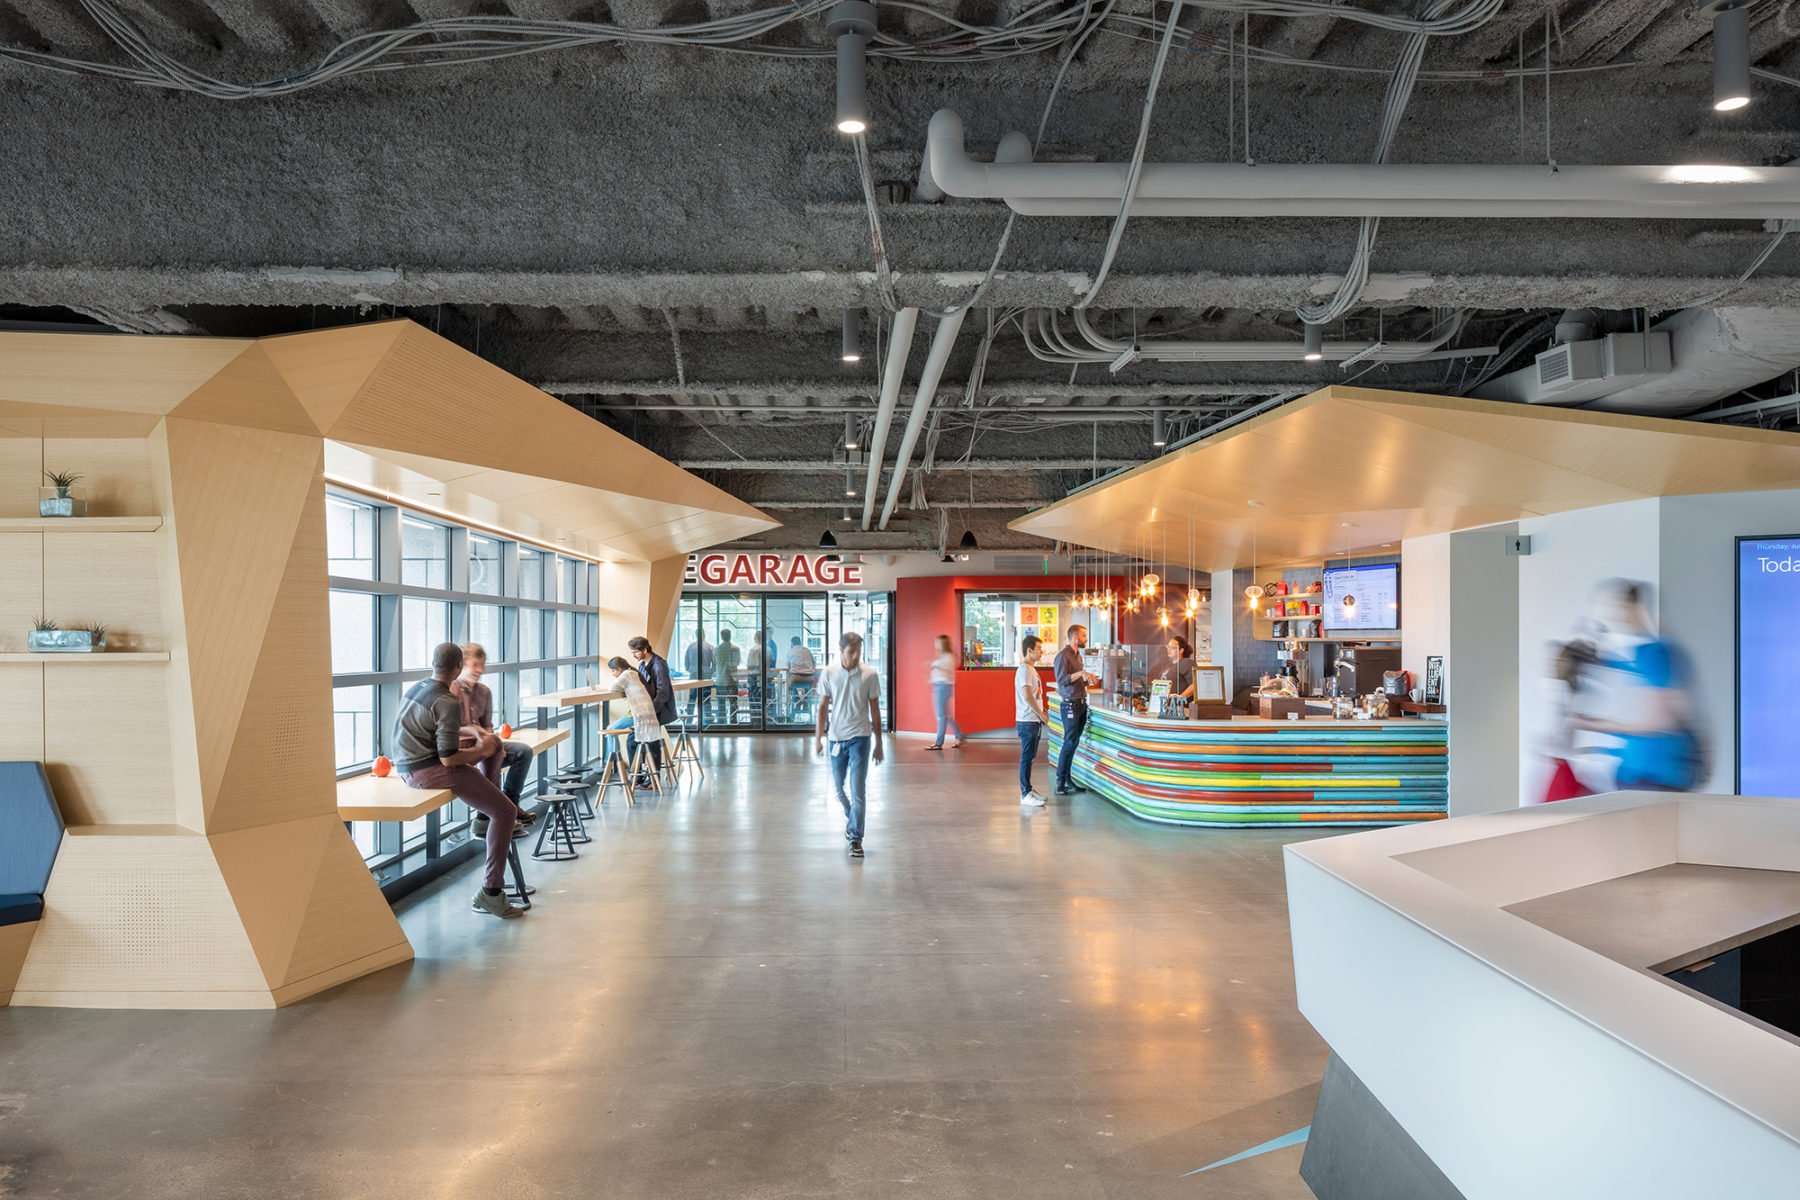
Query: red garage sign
<point x="772" y="570"/>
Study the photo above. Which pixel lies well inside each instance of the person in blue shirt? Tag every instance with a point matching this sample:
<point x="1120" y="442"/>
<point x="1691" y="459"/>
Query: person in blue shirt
<point x="1071" y="692"/>
<point x="1660" y="748"/>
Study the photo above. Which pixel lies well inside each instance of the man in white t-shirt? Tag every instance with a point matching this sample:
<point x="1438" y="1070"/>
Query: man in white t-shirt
<point x="1028" y="712"/>
<point x="850" y="718"/>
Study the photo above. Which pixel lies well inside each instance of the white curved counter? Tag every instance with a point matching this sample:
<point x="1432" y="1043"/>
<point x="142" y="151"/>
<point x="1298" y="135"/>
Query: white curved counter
<point x="1522" y="1063"/>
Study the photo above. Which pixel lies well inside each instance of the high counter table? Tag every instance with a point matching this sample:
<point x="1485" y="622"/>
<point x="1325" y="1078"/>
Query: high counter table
<point x="579" y="698"/>
<point x="1248" y="771"/>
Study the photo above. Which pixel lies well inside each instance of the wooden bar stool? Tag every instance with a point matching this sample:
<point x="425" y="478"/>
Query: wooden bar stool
<point x="685" y="753"/>
<point x="643" y="767"/>
<point x="614" y="774"/>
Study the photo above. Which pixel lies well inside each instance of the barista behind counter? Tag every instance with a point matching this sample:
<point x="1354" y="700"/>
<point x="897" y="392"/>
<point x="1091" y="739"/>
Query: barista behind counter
<point x="1250" y="771"/>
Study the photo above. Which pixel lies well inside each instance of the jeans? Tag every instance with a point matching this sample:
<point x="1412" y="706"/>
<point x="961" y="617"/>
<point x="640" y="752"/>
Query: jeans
<point x="479" y="793"/>
<point x="851" y="758"/>
<point x="940" y="700"/>
<point x="1031" y="733"/>
<point x="1074" y="720"/>
<point x="631" y="742"/>
<point x="515" y="760"/>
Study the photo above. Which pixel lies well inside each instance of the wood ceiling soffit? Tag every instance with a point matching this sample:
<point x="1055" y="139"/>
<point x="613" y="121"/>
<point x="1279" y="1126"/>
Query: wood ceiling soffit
<point x="326" y="368"/>
<point x="521" y="429"/>
<point x="120" y="373"/>
<point x="250" y="392"/>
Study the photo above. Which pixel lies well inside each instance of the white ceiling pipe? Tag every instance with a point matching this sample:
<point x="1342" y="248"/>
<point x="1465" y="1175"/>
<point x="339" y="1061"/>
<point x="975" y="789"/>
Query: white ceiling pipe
<point x="892" y="376"/>
<point x="1701" y="191"/>
<point x="935" y="361"/>
<point x="1100" y="349"/>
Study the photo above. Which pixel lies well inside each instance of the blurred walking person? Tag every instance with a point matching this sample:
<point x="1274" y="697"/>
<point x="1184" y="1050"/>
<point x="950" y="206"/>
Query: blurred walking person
<point x="943" y="692"/>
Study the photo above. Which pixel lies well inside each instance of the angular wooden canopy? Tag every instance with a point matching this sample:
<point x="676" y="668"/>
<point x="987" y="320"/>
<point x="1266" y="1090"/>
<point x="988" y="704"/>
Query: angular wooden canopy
<point x="1351" y="469"/>
<point x="402" y="411"/>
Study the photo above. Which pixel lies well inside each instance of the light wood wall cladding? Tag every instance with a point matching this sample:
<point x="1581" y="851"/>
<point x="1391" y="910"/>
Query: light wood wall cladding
<point x="205" y="865"/>
<point x="1349" y="469"/>
<point x="14" y="940"/>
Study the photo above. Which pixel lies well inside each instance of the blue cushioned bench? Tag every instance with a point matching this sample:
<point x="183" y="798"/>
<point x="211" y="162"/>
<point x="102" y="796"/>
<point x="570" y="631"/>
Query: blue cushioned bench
<point x="31" y="831"/>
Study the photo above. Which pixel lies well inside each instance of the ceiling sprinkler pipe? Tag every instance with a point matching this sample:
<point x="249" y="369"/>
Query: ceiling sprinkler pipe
<point x="899" y="348"/>
<point x="935" y="361"/>
<point x="1699" y="191"/>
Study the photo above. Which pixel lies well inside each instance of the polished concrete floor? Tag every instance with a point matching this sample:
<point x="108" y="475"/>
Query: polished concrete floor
<point x="714" y="1002"/>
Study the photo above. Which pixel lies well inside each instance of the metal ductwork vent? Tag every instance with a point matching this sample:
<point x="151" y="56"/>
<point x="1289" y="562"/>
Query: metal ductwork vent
<point x="1019" y="564"/>
<point x="1692" y="359"/>
<point x="1611" y="362"/>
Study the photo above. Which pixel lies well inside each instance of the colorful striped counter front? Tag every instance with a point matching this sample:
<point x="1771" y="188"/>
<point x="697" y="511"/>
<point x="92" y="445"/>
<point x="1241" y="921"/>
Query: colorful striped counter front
<point x="1252" y="772"/>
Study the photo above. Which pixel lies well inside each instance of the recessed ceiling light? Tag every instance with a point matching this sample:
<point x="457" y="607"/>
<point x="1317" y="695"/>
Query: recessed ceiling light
<point x="1254" y="503"/>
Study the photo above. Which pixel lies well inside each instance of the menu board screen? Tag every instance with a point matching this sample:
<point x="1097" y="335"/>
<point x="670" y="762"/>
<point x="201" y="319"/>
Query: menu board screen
<point x="1363" y="598"/>
<point x="1768" y="655"/>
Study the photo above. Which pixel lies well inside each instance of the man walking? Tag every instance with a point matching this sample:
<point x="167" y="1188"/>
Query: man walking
<point x="427" y="735"/>
<point x="1071" y="690"/>
<point x="850" y="717"/>
<point x="1029" y="714"/>
<point x="726" y="657"/>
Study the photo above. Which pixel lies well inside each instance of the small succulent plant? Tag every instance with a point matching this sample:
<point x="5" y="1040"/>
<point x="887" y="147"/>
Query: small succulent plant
<point x="44" y="624"/>
<point x="62" y="481"/>
<point x="96" y="630"/>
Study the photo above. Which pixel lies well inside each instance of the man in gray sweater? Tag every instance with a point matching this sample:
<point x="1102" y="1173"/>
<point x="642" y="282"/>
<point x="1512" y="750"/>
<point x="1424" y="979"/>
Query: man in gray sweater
<point x="428" y="749"/>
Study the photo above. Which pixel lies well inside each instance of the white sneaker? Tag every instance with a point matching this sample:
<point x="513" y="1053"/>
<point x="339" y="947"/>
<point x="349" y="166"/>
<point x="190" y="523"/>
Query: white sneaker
<point x="1031" y="800"/>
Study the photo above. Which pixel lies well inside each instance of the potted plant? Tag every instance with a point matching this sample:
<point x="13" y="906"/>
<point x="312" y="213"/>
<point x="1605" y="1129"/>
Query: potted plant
<point x="48" y="637"/>
<point x="57" y="500"/>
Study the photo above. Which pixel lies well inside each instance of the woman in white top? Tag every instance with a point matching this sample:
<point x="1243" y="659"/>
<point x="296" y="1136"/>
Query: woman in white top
<point x="943" y="687"/>
<point x="641" y="705"/>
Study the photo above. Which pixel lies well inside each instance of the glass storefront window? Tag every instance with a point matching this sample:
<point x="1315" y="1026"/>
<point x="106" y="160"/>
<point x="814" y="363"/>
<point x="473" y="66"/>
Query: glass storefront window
<point x="484" y="629"/>
<point x="352" y="633"/>
<point x="993" y="624"/>
<point x="531" y="634"/>
<point x="353" y="718"/>
<point x="531" y="573"/>
<point x="424" y="554"/>
<point x="349" y="538"/>
<point x="423" y="624"/>
<point x="484" y="565"/>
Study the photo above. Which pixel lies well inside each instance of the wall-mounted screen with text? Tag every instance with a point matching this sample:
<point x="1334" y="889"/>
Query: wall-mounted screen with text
<point x="1768" y="652"/>
<point x="1363" y="598"/>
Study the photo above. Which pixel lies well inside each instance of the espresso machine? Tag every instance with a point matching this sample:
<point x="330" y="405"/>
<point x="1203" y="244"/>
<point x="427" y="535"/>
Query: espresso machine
<point x="1360" y="668"/>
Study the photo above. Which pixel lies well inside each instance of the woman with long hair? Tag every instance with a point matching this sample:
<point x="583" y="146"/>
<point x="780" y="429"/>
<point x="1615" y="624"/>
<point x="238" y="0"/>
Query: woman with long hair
<point x="943" y="689"/>
<point x="1181" y="668"/>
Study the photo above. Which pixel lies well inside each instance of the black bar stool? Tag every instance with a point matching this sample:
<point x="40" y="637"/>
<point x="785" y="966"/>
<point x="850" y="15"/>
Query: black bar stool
<point x="560" y="826"/>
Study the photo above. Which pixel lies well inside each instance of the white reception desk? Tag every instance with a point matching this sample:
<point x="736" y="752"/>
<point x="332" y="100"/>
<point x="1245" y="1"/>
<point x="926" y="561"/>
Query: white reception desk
<point x="1536" y="1052"/>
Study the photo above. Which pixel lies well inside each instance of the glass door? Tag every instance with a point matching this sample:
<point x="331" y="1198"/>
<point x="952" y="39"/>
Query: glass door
<point x="728" y="628"/>
<point x="870" y="614"/>
<point x="795" y="650"/>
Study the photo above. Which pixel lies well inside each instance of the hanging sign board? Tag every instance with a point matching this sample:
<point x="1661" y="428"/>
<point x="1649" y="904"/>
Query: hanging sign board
<point x="771" y="571"/>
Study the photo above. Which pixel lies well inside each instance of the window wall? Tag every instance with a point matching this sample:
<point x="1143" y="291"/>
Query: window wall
<point x="401" y="582"/>
<point x="994" y="623"/>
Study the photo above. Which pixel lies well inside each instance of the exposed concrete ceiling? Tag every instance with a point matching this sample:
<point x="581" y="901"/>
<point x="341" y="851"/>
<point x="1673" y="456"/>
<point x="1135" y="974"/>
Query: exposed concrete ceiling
<point x="666" y="236"/>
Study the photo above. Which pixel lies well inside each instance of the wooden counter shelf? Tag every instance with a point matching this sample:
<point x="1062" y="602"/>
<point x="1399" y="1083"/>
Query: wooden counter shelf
<point x="89" y="657"/>
<point x="367" y="798"/>
<point x="80" y="524"/>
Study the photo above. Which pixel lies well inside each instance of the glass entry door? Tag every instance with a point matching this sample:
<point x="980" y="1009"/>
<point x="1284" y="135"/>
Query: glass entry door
<point x="797" y="649"/>
<point x="870" y="614"/>
<point x="758" y="654"/>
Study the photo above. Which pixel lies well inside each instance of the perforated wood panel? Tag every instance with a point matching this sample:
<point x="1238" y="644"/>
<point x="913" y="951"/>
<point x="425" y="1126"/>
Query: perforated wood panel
<point x="22" y="592"/>
<point x="22" y="732"/>
<point x="14" y="939"/>
<point x="136" y="918"/>
<point x="20" y="459"/>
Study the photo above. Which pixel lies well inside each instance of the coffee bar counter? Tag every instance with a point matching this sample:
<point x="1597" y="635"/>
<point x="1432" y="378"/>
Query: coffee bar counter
<point x="1248" y="771"/>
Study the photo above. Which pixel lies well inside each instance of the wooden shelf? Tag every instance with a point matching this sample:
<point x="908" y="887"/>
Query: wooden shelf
<point x="75" y="656"/>
<point x="80" y="524"/>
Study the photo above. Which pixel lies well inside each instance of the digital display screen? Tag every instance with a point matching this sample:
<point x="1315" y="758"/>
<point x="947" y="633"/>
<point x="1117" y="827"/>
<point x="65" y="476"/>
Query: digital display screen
<point x="1363" y="598"/>
<point x="1768" y="654"/>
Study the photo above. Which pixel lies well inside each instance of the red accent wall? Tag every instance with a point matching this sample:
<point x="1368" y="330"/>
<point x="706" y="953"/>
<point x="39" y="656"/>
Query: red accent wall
<point x="929" y="605"/>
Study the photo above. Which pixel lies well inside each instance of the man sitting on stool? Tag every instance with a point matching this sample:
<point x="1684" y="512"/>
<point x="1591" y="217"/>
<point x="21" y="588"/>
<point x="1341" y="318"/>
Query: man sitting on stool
<point x="514" y="758"/>
<point x="427" y="733"/>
